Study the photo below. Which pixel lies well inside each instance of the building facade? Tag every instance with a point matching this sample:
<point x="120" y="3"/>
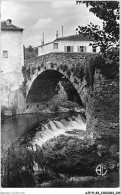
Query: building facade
<point x="12" y="60"/>
<point x="74" y="43"/>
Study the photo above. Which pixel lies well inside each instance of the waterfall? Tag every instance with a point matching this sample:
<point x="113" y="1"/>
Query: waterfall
<point x="53" y="128"/>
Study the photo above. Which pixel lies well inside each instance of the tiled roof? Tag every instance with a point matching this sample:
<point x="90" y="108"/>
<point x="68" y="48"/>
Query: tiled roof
<point x="70" y="38"/>
<point x="75" y="38"/>
<point x="10" y="27"/>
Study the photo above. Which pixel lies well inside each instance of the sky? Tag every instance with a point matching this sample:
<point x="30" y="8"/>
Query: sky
<point x="36" y="17"/>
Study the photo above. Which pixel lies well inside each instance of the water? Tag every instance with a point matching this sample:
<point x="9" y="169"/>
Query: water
<point x="39" y="127"/>
<point x="54" y="128"/>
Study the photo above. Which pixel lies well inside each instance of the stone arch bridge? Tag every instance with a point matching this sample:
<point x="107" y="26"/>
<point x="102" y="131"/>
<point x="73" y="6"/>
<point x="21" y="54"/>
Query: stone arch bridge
<point x="101" y="103"/>
<point x="43" y="72"/>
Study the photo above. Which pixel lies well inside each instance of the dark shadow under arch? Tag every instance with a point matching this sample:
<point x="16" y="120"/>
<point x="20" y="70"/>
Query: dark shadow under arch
<point x="43" y="88"/>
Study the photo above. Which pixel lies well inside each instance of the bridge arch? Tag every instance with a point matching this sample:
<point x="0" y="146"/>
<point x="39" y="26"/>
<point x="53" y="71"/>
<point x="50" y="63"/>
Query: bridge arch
<point x="45" y="85"/>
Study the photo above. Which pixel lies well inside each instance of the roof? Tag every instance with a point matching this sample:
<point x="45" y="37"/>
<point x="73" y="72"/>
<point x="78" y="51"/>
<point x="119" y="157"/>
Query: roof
<point x="45" y="44"/>
<point x="70" y="38"/>
<point x="75" y="38"/>
<point x="11" y="27"/>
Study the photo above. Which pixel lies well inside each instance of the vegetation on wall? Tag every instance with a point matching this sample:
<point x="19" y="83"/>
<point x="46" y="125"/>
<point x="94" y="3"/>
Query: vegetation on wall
<point x="30" y="52"/>
<point x="108" y="66"/>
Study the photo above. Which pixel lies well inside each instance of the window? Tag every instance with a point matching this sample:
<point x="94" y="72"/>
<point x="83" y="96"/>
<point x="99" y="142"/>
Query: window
<point x="93" y="49"/>
<point x="55" y="45"/>
<point x="68" y="48"/>
<point x="81" y="48"/>
<point x="5" y="54"/>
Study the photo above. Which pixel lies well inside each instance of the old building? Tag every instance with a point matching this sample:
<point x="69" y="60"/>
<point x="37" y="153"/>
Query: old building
<point x="73" y="43"/>
<point x="12" y="60"/>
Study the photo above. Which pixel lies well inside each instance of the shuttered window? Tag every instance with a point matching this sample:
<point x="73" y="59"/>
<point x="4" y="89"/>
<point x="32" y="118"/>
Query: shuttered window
<point x="81" y="48"/>
<point x="68" y="49"/>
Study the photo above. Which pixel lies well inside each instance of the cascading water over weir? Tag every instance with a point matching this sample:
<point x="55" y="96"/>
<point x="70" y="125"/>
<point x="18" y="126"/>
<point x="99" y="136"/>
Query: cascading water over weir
<point x="71" y="126"/>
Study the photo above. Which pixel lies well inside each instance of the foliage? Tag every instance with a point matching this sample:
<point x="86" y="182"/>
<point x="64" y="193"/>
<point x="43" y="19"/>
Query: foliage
<point x="17" y="166"/>
<point x="91" y="63"/>
<point x="65" y="155"/>
<point x="108" y="11"/>
<point x="31" y="52"/>
<point x="26" y="73"/>
<point x="108" y="66"/>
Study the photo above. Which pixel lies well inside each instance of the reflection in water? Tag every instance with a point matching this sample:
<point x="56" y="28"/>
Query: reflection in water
<point x="13" y="127"/>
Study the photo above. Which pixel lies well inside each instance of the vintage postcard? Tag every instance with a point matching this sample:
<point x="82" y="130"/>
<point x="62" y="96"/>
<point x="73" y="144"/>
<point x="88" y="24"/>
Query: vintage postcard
<point x="60" y="97"/>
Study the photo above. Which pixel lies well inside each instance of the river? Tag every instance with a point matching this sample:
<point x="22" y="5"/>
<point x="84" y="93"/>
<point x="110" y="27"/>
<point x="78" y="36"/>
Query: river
<point x="12" y="128"/>
<point x="37" y="129"/>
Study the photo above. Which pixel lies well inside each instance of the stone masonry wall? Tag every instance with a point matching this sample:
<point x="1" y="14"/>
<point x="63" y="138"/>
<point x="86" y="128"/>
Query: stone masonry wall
<point x="59" y="58"/>
<point x="101" y="102"/>
<point x="103" y="106"/>
<point x="64" y="63"/>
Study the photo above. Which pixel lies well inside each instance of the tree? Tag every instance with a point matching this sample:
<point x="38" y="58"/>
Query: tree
<point x="108" y="11"/>
<point x="31" y="52"/>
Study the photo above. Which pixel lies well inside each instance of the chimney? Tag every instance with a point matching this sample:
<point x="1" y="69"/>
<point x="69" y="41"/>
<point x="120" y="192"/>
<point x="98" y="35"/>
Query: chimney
<point x="62" y="31"/>
<point x="43" y="39"/>
<point x="9" y="22"/>
<point x="57" y="34"/>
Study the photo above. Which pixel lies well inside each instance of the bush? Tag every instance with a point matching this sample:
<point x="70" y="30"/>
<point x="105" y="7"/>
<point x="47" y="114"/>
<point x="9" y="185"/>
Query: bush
<point x="65" y="155"/>
<point x="17" y="167"/>
<point x="108" y="66"/>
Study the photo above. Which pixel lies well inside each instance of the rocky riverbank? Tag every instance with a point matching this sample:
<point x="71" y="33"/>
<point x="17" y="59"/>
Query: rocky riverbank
<point x="55" y="107"/>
